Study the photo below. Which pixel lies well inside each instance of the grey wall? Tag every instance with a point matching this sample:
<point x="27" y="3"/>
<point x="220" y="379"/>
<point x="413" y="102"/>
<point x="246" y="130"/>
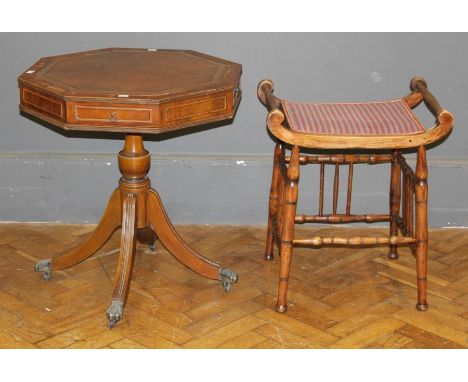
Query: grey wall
<point x="221" y="175"/>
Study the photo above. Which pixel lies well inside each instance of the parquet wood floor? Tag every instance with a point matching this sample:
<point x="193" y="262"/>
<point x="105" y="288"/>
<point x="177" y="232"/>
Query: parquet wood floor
<point x="339" y="297"/>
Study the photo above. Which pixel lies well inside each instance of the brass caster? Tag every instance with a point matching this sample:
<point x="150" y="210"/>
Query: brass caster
<point x="152" y="246"/>
<point x="422" y="307"/>
<point x="228" y="277"/>
<point x="115" y="312"/>
<point x="44" y="266"/>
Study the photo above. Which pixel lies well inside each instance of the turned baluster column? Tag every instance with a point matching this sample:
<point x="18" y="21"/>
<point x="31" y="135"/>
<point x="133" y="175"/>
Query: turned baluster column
<point x="134" y="164"/>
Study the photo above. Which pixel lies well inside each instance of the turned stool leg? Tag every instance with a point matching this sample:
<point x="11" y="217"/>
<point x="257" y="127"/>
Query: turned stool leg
<point x="287" y="229"/>
<point x="273" y="204"/>
<point x="395" y="195"/>
<point x="421" y="191"/>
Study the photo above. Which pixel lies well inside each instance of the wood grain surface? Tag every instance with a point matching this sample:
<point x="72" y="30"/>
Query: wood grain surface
<point x="338" y="298"/>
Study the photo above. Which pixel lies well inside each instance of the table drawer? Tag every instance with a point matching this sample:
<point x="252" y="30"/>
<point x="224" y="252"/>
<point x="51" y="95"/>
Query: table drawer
<point x="111" y="114"/>
<point x="43" y="103"/>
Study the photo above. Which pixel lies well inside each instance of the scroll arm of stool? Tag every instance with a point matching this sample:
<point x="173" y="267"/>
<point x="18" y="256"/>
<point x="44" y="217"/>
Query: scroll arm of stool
<point x="265" y="90"/>
<point x="275" y="121"/>
<point x="444" y="117"/>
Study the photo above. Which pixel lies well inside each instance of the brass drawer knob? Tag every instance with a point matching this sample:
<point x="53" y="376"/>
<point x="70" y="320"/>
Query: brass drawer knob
<point x="113" y="116"/>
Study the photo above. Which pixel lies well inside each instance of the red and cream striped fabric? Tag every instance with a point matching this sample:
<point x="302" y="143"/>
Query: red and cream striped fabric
<point x="369" y="118"/>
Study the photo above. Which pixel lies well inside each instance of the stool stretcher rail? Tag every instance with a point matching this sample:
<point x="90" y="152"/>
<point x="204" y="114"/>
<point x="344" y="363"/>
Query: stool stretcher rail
<point x="343" y="159"/>
<point x="318" y="241"/>
<point x="341" y="219"/>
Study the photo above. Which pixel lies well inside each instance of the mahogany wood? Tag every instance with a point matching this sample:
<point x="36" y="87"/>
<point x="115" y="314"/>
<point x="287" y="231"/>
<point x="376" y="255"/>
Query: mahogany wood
<point x="139" y="210"/>
<point x="132" y="91"/>
<point x="159" y="222"/>
<point x="127" y="249"/>
<point x="134" y="163"/>
<point x="110" y="221"/>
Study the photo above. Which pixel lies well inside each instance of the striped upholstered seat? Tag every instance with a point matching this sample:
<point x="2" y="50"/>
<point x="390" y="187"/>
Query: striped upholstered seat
<point x="369" y="118"/>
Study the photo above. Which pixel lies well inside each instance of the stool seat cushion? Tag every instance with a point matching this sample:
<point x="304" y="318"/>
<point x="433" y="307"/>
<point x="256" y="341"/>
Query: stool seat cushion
<point x="367" y="118"/>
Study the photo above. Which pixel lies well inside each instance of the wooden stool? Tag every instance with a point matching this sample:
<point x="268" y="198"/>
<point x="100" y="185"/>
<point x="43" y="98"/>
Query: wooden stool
<point x="132" y="91"/>
<point x="372" y="126"/>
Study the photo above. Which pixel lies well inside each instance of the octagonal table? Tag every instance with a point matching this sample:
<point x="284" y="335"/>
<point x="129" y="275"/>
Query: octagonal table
<point x="132" y="91"/>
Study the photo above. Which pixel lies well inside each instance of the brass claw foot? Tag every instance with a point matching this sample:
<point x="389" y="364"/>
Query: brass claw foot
<point x="228" y="277"/>
<point x="44" y="266"/>
<point x="115" y="312"/>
